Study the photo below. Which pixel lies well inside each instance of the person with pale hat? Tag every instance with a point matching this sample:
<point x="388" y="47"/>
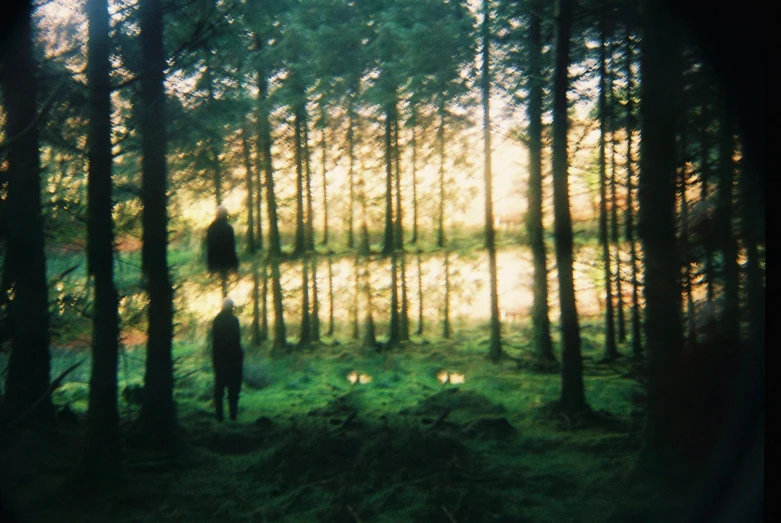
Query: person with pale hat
<point x="227" y="359"/>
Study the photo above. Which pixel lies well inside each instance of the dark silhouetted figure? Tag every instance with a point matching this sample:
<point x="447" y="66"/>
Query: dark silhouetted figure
<point x="221" y="248"/>
<point x="227" y="359"/>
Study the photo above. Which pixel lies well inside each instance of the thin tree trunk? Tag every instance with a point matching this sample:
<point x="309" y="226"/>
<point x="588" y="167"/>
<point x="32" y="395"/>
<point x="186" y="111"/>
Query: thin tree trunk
<point x="213" y="152"/>
<point x="368" y="338"/>
<point x="330" y="297"/>
<point x="101" y="459"/>
<point x="572" y="394"/>
<point x="404" y="312"/>
<point x="274" y="245"/>
<point x="398" y="234"/>
<point x="495" y="347"/>
<point x="325" y="182"/>
<point x="250" y="189"/>
<point x="446" y="306"/>
<point x="264" y="303"/>
<point x="414" y="145"/>
<point x="310" y="229"/>
<point x="257" y="336"/>
<point x="280" y="336"/>
<point x="419" y="331"/>
<point x="686" y="250"/>
<point x="704" y="180"/>
<point x="540" y="320"/>
<point x="387" y="238"/>
<point x="611" y="351"/>
<point x="157" y="419"/>
<point x="394" y="334"/>
<point x="315" y="317"/>
<point x="305" y="336"/>
<point x="637" y="347"/>
<point x="350" y="174"/>
<point x="299" y="245"/>
<point x="356" y="300"/>
<point x="25" y="271"/>
<point x="612" y="125"/>
<point x="441" y="143"/>
<point x="730" y="315"/>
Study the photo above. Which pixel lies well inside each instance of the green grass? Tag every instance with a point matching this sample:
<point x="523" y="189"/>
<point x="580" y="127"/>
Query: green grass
<point x="289" y="459"/>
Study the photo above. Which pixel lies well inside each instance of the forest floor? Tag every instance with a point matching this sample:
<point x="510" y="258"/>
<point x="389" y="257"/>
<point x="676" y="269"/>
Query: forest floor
<point x="396" y="446"/>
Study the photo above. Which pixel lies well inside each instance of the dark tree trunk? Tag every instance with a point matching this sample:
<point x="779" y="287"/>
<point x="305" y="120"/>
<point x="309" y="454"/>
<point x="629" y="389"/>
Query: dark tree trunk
<point x="612" y="125"/>
<point x="656" y="228"/>
<point x="250" y="189"/>
<point x="27" y="381"/>
<point x="315" y="317"/>
<point x="404" y="312"/>
<point x="729" y="319"/>
<point x="414" y="146"/>
<point x="368" y="338"/>
<point x="330" y="297"/>
<point x="257" y="335"/>
<point x="264" y="149"/>
<point x="572" y="395"/>
<point x="387" y="238"/>
<point x="356" y="300"/>
<point x="495" y="346"/>
<point x="264" y="303"/>
<point x="683" y="184"/>
<point x="419" y="331"/>
<point x="280" y="336"/>
<point x="306" y="323"/>
<point x="441" y="146"/>
<point x="704" y="194"/>
<point x="350" y="173"/>
<point x="101" y="459"/>
<point x="637" y="346"/>
<point x="398" y="229"/>
<point x="157" y="419"/>
<point x="540" y="320"/>
<point x="325" y="181"/>
<point x="213" y="152"/>
<point x="446" y="306"/>
<point x="299" y="244"/>
<point x="310" y="228"/>
<point x="611" y="351"/>
<point x="394" y="333"/>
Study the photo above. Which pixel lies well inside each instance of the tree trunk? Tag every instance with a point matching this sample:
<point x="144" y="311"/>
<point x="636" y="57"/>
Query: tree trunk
<point x="729" y="320"/>
<point x="264" y="303"/>
<point x="368" y="338"/>
<point x="441" y="144"/>
<point x="310" y="228"/>
<point x="637" y="346"/>
<point x="394" y="333"/>
<point x="264" y="147"/>
<point x="611" y="351"/>
<point x="250" y="189"/>
<point x="257" y="335"/>
<point x="387" y="238"/>
<point x="25" y="270"/>
<point x="101" y="459"/>
<point x="414" y="145"/>
<point x="495" y="347"/>
<point x="612" y="124"/>
<point x="656" y="228"/>
<point x="446" y="307"/>
<point x="330" y="297"/>
<point x="157" y="419"/>
<point x="325" y="182"/>
<point x="350" y="173"/>
<point x="356" y="300"/>
<point x="315" y="317"/>
<point x="398" y="232"/>
<point x="280" y="336"/>
<point x="306" y="324"/>
<point x="213" y="151"/>
<point x="572" y="395"/>
<point x="686" y="257"/>
<point x="299" y="244"/>
<point x="704" y="180"/>
<point x="419" y="331"/>
<point x="540" y="320"/>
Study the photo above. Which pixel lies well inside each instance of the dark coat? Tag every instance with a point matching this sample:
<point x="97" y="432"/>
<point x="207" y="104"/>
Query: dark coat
<point x="221" y="247"/>
<point x="227" y="354"/>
